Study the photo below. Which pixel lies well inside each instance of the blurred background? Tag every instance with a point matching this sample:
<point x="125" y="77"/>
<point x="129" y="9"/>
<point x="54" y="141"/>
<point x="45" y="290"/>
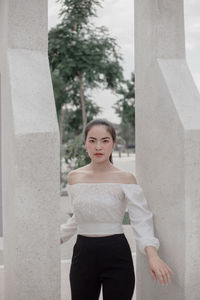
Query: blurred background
<point x="91" y="54"/>
<point x="91" y="61"/>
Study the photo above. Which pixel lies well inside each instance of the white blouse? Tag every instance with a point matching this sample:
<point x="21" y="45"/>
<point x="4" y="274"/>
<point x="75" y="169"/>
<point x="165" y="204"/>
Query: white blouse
<point x="99" y="210"/>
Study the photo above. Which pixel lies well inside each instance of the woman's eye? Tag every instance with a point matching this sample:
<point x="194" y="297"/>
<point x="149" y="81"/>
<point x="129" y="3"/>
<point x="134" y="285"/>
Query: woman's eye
<point x="105" y="141"/>
<point x="91" y="141"/>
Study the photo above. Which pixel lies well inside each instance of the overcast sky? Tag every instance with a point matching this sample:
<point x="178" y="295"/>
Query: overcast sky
<point x="118" y="16"/>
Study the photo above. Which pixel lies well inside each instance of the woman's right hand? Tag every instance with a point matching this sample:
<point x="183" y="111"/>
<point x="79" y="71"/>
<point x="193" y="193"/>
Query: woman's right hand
<point x="160" y="270"/>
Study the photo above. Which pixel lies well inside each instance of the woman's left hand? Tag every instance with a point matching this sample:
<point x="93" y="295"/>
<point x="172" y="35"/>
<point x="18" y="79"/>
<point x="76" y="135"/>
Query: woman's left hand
<point x="158" y="268"/>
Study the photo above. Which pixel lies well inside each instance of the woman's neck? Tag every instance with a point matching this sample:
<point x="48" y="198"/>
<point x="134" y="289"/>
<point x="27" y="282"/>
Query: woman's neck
<point x="100" y="167"/>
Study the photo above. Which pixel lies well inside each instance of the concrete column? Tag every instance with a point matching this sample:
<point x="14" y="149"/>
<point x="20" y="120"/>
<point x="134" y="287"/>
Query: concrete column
<point x="167" y="147"/>
<point x="30" y="154"/>
<point x="1" y="212"/>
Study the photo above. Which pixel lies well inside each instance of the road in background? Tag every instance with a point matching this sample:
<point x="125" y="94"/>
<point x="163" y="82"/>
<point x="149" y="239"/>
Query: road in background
<point x="124" y="162"/>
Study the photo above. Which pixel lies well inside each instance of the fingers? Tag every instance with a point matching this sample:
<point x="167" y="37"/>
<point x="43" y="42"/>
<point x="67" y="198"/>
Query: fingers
<point x="161" y="277"/>
<point x="167" y="277"/>
<point x="164" y="276"/>
<point x="162" y="271"/>
<point x="170" y="270"/>
<point x="153" y="275"/>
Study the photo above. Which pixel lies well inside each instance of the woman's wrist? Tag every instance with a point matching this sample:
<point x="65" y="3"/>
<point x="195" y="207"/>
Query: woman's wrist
<point x="151" y="251"/>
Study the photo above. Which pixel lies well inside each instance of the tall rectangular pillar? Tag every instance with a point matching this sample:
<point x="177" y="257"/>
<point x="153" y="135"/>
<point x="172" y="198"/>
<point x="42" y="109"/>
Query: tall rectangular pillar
<point x="167" y="147"/>
<point x="1" y="209"/>
<point x="30" y="154"/>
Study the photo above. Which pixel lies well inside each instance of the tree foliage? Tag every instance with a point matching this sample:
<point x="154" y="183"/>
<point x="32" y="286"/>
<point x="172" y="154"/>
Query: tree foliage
<point x="91" y="52"/>
<point x="79" y="11"/>
<point x="81" y="55"/>
<point x="125" y="109"/>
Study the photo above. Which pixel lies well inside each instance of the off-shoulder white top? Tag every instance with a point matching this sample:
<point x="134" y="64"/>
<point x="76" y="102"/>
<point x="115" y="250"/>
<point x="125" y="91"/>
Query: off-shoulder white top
<point x="99" y="210"/>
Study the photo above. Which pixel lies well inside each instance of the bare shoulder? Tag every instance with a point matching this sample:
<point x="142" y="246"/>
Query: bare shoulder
<point x="124" y="176"/>
<point x="128" y="177"/>
<point x="76" y="175"/>
<point x="71" y="176"/>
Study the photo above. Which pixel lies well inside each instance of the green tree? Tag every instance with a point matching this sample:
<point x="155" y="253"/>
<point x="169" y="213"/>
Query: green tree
<point x="125" y="109"/>
<point x="81" y="55"/>
<point x="71" y="113"/>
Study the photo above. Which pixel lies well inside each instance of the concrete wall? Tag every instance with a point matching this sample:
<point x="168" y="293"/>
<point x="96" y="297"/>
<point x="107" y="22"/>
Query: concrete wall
<point x="1" y="213"/>
<point x="167" y="147"/>
<point x="30" y="154"/>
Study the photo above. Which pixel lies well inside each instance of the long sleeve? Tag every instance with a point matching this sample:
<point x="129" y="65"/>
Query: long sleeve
<point x="68" y="229"/>
<point x="141" y="217"/>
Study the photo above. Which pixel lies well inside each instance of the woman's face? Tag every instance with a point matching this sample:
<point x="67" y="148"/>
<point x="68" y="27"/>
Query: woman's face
<point x="99" y="140"/>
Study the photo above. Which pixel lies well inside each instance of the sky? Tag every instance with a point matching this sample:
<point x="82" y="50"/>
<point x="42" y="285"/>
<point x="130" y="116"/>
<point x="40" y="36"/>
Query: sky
<point x="118" y="17"/>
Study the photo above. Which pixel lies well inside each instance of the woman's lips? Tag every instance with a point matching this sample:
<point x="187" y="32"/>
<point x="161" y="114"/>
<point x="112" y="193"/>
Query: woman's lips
<point x="98" y="154"/>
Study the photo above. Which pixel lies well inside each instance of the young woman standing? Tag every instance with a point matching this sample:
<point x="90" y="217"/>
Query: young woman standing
<point x="100" y="193"/>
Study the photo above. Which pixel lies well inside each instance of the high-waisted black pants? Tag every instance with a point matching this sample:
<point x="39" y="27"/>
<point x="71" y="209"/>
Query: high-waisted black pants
<point x="106" y="261"/>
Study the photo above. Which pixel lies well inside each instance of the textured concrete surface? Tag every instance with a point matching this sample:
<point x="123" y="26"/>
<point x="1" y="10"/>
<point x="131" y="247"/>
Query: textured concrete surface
<point x="168" y="143"/>
<point x="30" y="154"/>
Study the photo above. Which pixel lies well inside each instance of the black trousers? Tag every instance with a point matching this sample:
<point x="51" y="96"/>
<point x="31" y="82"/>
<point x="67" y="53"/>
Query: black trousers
<point x="105" y="261"/>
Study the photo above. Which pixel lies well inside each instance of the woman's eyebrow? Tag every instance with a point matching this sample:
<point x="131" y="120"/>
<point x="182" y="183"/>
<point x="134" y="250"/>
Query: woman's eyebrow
<point x="106" y="137"/>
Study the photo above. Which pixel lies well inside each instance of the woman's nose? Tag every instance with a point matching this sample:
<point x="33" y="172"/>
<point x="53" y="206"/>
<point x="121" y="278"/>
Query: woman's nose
<point x="98" y="146"/>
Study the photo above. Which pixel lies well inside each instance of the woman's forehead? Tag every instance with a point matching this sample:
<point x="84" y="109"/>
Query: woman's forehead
<point x="99" y="131"/>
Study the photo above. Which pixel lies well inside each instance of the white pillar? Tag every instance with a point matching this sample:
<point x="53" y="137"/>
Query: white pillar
<point x="30" y="154"/>
<point x="167" y="147"/>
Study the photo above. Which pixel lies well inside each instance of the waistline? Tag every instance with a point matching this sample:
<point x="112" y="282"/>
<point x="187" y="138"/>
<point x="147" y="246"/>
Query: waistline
<point x="99" y="228"/>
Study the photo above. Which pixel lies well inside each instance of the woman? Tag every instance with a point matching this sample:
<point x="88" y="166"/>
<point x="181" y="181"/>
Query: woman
<point x="100" y="193"/>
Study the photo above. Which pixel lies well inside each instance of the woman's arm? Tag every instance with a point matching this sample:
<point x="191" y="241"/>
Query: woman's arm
<point x="142" y="222"/>
<point x="68" y="229"/>
<point x="151" y="251"/>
